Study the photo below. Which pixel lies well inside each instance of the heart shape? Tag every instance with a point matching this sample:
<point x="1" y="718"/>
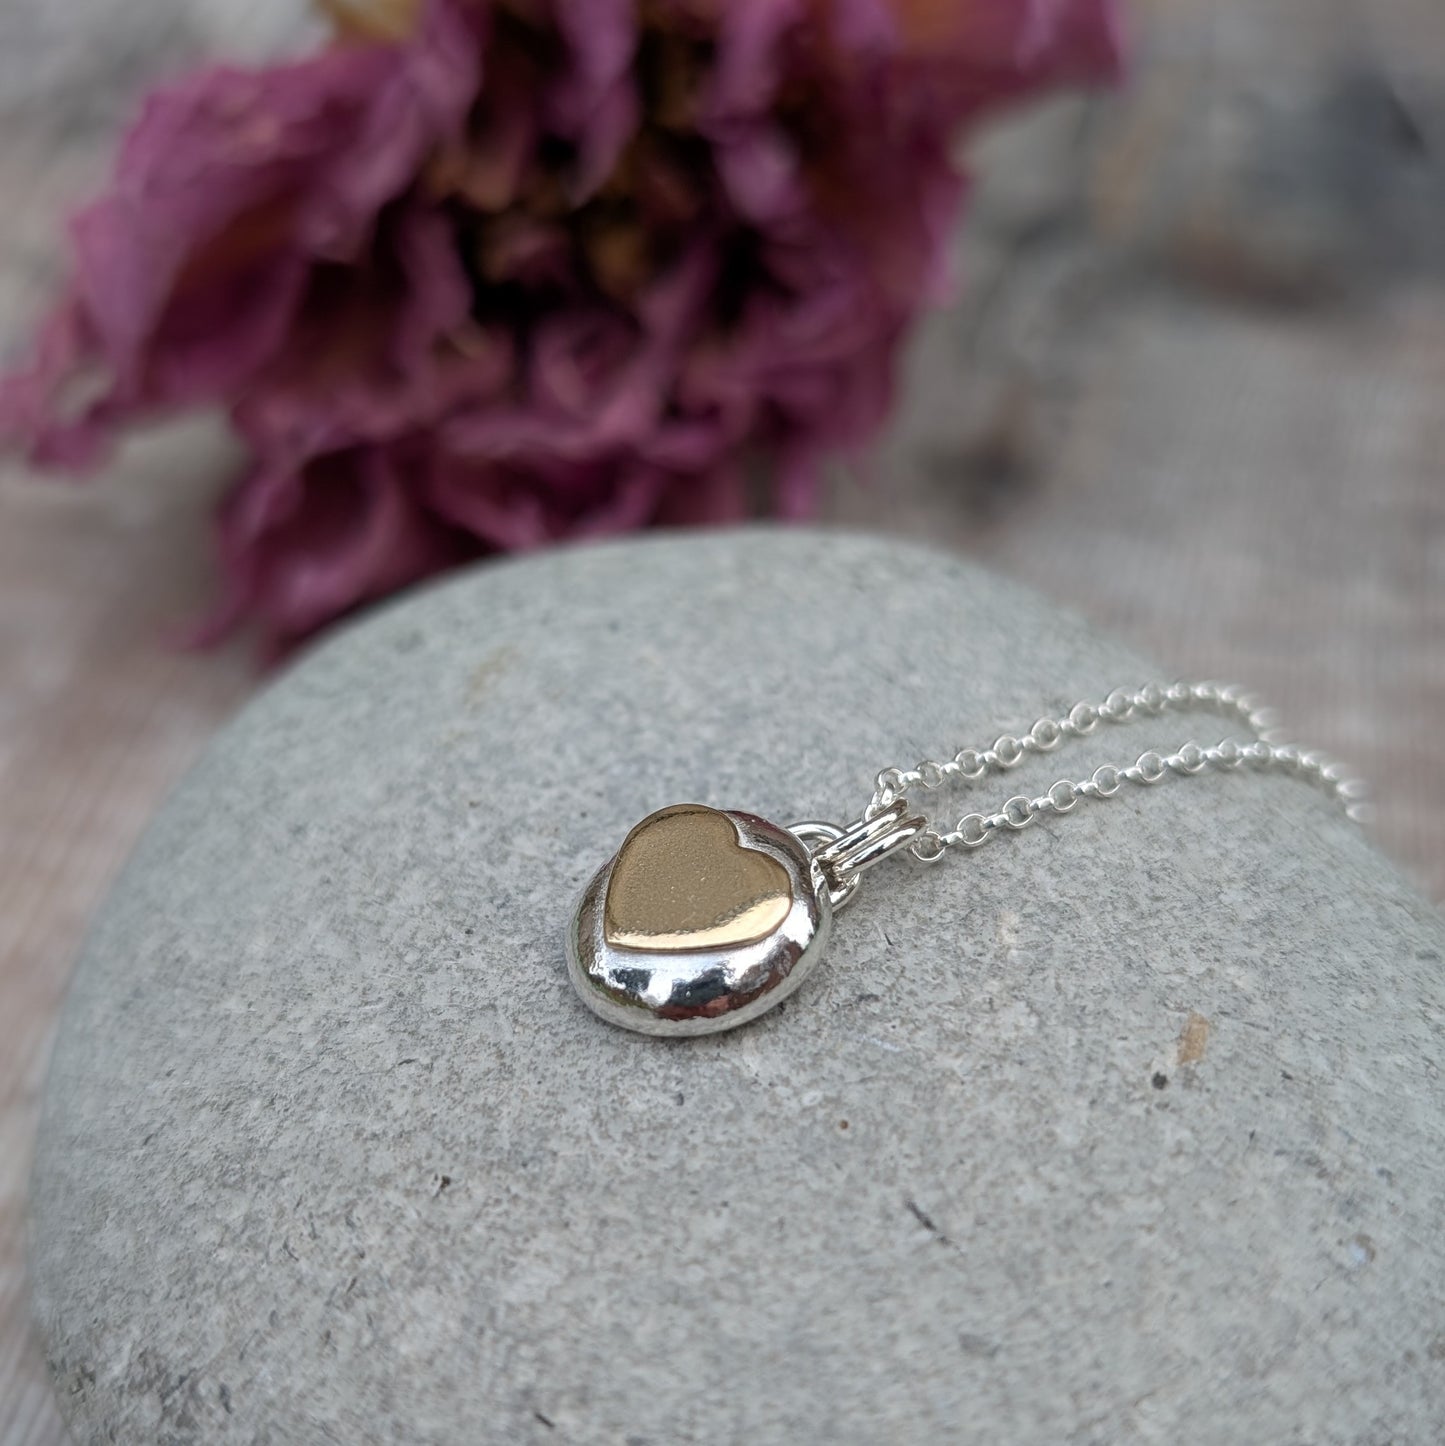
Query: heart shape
<point x="683" y="880"/>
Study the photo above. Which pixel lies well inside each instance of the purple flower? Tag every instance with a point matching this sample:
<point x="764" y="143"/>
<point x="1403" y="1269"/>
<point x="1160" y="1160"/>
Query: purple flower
<point x="529" y="269"/>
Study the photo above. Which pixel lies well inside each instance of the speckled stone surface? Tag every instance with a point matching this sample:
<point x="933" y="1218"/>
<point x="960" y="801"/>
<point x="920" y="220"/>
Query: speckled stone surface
<point x="1128" y="1129"/>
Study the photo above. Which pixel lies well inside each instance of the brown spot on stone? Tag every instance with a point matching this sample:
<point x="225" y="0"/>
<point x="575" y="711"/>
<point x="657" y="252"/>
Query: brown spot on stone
<point x="1193" y="1039"/>
<point x="488" y="671"/>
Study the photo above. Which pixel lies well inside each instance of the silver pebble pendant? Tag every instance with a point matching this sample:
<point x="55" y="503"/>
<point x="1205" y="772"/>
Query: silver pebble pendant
<point x="705" y="918"/>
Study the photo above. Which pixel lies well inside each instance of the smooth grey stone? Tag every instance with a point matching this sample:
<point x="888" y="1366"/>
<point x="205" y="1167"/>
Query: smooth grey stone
<point x="1130" y="1128"/>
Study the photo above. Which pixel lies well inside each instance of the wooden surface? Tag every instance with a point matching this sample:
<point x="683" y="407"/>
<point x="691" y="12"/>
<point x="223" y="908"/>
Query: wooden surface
<point x="1197" y="391"/>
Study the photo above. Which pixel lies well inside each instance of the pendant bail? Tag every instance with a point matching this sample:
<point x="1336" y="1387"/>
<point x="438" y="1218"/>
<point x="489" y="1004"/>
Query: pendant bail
<point x="841" y="854"/>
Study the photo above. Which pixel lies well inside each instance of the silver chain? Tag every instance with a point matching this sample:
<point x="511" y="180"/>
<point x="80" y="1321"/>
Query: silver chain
<point x="1264" y="752"/>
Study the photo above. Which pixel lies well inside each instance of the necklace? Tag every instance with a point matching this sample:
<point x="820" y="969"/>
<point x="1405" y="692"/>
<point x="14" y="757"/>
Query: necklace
<point x="706" y="918"/>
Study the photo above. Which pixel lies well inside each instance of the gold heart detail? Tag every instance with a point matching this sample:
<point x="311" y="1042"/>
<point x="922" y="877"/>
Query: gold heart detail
<point x="683" y="880"/>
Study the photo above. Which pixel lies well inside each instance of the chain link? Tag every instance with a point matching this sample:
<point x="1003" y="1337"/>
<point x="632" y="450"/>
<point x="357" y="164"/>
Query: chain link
<point x="1264" y="752"/>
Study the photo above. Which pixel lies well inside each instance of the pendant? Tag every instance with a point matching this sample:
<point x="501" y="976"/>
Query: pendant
<point x="706" y="918"/>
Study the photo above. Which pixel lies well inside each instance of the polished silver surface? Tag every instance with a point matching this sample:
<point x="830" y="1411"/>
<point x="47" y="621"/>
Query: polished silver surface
<point x="817" y="836"/>
<point x="692" y="991"/>
<point x="878" y="834"/>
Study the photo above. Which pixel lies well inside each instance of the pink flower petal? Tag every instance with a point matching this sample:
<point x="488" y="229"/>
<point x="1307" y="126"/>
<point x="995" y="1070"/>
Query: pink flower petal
<point x="302" y="549"/>
<point x="594" y="101"/>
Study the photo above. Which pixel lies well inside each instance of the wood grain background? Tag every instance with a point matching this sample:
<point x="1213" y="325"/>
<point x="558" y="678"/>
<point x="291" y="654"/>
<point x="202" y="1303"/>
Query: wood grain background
<point x="1196" y="390"/>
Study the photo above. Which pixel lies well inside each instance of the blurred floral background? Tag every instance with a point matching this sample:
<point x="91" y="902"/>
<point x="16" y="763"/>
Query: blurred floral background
<point x="1190" y="382"/>
<point x="479" y="275"/>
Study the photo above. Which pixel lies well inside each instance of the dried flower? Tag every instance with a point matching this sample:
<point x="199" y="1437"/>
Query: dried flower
<point x="487" y="273"/>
